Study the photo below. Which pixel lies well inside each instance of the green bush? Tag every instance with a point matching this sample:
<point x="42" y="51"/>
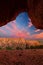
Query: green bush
<point x="8" y="48"/>
<point x="0" y="48"/>
<point x="18" y="48"/>
<point x="36" y="47"/>
<point x="27" y="46"/>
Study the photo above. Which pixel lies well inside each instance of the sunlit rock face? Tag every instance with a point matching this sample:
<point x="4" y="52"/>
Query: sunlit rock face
<point x="9" y="10"/>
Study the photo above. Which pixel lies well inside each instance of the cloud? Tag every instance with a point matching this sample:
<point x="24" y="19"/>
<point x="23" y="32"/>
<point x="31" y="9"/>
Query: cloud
<point x="2" y="31"/>
<point x="13" y="27"/>
<point x="30" y="24"/>
<point x="23" y="34"/>
<point x="37" y="36"/>
<point x="37" y="30"/>
<point x="15" y="31"/>
<point x="19" y="32"/>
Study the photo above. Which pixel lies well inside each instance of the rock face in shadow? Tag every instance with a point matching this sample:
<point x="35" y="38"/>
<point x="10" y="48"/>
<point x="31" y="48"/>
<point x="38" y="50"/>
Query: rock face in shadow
<point x="9" y="9"/>
<point x="35" y="11"/>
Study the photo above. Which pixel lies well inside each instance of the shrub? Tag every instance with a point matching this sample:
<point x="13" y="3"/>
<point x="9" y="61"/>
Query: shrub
<point x="27" y="46"/>
<point x="0" y="48"/>
<point x="8" y="48"/>
<point x="18" y="48"/>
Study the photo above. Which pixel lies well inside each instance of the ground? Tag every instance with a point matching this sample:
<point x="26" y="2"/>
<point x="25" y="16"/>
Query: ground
<point x="21" y="57"/>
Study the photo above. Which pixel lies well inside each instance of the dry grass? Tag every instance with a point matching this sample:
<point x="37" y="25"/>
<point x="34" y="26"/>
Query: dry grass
<point x="17" y="43"/>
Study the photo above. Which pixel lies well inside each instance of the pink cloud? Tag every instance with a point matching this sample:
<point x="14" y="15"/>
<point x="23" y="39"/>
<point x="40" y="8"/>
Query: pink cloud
<point x="38" y="36"/>
<point x="30" y="24"/>
<point x="2" y="31"/>
<point x="15" y="31"/>
<point x="37" y="30"/>
<point x="23" y="34"/>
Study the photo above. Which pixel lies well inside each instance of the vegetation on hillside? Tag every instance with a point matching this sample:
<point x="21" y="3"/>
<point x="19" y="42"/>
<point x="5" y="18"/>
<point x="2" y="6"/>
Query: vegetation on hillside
<point x="19" y="44"/>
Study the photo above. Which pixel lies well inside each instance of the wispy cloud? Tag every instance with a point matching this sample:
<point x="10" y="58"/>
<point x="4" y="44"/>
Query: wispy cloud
<point x="14" y="31"/>
<point x="22" y="34"/>
<point x="30" y="24"/>
<point x="37" y="30"/>
<point x="19" y="32"/>
<point x="2" y="31"/>
<point x="37" y="36"/>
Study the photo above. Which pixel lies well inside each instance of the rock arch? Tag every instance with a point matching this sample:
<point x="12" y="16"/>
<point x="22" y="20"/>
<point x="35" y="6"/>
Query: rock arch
<point x="9" y="9"/>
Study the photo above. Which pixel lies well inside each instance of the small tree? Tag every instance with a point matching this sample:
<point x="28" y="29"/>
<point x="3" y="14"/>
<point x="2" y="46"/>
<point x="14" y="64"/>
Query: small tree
<point x="27" y="46"/>
<point x="18" y="48"/>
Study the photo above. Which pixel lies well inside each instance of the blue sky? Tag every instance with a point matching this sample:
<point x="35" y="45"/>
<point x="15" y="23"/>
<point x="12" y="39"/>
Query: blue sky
<point x="21" y="27"/>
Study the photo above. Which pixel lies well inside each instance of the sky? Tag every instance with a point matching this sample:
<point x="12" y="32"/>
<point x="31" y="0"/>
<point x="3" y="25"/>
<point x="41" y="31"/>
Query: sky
<point x="21" y="27"/>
